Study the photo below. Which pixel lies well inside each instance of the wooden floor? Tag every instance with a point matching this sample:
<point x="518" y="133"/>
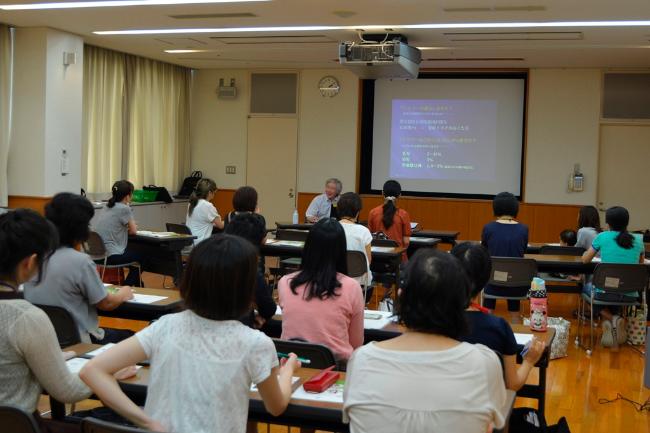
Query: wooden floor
<point x="575" y="383"/>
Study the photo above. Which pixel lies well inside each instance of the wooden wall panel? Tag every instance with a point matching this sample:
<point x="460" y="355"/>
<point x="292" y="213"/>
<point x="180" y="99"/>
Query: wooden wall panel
<point x="28" y="202"/>
<point x="545" y="221"/>
<point x="223" y="201"/>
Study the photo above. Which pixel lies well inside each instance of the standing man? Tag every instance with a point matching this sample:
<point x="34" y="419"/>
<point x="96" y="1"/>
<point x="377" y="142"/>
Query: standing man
<point x="324" y="205"/>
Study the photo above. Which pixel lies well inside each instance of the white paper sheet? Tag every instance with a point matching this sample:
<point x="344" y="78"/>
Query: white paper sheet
<point x="523" y="339"/>
<point x="288" y="243"/>
<point x="139" y="298"/>
<point x="157" y="234"/>
<point x="333" y="394"/>
<point x="76" y="364"/>
<point x="99" y="351"/>
<point x="382" y="249"/>
<point x="370" y="320"/>
<point x="294" y="380"/>
<point x="413" y="225"/>
<point x="599" y="260"/>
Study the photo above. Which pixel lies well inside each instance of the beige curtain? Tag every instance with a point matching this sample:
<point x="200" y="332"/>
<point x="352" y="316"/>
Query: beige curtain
<point x="136" y="120"/>
<point x="103" y="99"/>
<point x="158" y="122"/>
<point x="6" y="91"/>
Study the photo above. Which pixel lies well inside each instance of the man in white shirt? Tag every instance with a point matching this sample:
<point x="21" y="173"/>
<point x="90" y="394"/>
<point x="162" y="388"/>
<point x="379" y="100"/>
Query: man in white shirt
<point x="324" y="205"/>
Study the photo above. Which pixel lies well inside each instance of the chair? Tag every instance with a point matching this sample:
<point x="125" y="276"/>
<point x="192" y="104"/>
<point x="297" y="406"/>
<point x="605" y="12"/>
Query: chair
<point x="511" y="272"/>
<point x="96" y="249"/>
<point x="380" y="271"/>
<point x="558" y="284"/>
<point x="292" y="263"/>
<point x="65" y="327"/>
<point x="16" y="420"/>
<point x="358" y="267"/>
<point x="319" y="355"/>
<point x="612" y="278"/>
<point x="384" y="243"/>
<point x="180" y="229"/>
<point x="94" y="425"/>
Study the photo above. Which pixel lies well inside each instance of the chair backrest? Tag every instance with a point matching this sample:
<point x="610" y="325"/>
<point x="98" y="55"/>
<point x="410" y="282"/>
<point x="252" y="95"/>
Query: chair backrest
<point x="357" y="264"/>
<point x="94" y="246"/>
<point x="512" y="271"/>
<point x="180" y="229"/>
<point x="561" y="251"/>
<point x="16" y="420"/>
<point x="64" y="325"/>
<point x="94" y="425"/>
<point x="291" y="235"/>
<point x="384" y="243"/>
<point x="319" y="355"/>
<point x="620" y="278"/>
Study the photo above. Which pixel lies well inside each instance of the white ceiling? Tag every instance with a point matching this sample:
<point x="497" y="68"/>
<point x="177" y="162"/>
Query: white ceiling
<point x="620" y="47"/>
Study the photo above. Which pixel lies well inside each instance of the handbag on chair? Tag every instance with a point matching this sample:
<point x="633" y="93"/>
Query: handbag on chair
<point x="636" y="326"/>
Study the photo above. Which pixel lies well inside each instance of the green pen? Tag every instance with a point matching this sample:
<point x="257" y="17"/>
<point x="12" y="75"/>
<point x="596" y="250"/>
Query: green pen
<point x="302" y="360"/>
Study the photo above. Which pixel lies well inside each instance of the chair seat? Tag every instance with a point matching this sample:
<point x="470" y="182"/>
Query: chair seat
<point x="634" y="302"/>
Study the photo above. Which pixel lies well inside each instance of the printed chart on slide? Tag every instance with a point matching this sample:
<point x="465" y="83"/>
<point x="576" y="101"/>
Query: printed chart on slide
<point x="443" y="139"/>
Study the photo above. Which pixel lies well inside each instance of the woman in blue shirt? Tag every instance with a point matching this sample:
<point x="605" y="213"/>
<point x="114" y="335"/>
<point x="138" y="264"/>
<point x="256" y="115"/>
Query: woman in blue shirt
<point x="616" y="245"/>
<point x="505" y="237"/>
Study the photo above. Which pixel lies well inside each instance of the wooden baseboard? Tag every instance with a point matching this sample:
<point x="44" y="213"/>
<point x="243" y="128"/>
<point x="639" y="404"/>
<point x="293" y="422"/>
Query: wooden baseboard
<point x="29" y="202"/>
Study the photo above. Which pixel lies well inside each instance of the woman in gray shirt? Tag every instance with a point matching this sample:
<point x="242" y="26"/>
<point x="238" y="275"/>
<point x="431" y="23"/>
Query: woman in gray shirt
<point x="588" y="226"/>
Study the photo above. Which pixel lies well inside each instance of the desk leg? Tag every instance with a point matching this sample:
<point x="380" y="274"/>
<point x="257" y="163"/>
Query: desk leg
<point x="57" y="408"/>
<point x="542" y="391"/>
<point x="178" y="273"/>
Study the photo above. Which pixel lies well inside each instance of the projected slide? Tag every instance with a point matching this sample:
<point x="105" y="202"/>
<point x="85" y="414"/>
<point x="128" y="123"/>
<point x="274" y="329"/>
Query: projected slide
<point x="445" y="139"/>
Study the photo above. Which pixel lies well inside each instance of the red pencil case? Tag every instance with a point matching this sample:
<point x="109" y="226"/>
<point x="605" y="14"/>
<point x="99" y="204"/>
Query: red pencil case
<point x="321" y="381"/>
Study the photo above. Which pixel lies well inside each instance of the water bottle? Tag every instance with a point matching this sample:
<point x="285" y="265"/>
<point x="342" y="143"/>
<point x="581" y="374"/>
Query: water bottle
<point x="538" y="305"/>
<point x="294" y="219"/>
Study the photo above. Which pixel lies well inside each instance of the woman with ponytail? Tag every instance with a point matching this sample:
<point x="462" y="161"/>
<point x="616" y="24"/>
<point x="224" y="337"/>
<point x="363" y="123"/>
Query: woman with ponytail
<point x="389" y="219"/>
<point x="202" y="216"/>
<point x="29" y="350"/>
<point x="616" y="245"/>
<point x="114" y="224"/>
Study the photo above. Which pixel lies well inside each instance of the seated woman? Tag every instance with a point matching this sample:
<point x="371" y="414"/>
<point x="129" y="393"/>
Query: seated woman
<point x="114" y="225"/>
<point x="71" y="281"/>
<point x="244" y="201"/>
<point x="250" y="226"/>
<point x="29" y="351"/>
<point x="358" y="237"/>
<point x="203" y="360"/>
<point x="320" y="304"/>
<point x="202" y="217"/>
<point x="487" y="329"/>
<point x="505" y="237"/>
<point x="426" y="380"/>
<point x="616" y="245"/>
<point x="394" y="222"/>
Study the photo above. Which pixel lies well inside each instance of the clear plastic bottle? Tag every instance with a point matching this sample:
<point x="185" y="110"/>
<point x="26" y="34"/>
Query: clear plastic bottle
<point x="294" y="219"/>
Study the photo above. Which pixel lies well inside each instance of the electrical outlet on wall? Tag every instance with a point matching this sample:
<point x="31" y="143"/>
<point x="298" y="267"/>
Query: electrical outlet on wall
<point x="231" y="169"/>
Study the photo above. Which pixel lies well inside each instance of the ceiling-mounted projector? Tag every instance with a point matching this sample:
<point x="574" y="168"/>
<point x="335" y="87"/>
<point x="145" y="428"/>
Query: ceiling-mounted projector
<point x="390" y="59"/>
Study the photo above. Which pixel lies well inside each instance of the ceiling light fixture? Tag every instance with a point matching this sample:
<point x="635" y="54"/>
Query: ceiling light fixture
<point x="548" y="24"/>
<point x="189" y="51"/>
<point x="112" y="3"/>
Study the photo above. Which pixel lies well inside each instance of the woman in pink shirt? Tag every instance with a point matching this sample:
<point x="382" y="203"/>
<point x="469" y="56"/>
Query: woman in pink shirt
<point x="320" y="304"/>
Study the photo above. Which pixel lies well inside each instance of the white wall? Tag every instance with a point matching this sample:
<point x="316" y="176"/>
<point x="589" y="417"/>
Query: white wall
<point x="47" y="113"/>
<point x="327" y="137"/>
<point x="563" y="129"/>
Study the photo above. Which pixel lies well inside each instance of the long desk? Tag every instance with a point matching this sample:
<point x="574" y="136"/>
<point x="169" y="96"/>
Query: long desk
<point x="147" y="312"/>
<point x="163" y="255"/>
<point x="445" y="236"/>
<point x="304" y="413"/>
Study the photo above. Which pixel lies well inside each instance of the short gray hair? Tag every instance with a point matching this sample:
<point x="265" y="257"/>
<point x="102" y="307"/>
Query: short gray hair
<point x="335" y="181"/>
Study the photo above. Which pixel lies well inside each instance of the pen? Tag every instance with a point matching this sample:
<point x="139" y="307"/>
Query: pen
<point x="302" y="360"/>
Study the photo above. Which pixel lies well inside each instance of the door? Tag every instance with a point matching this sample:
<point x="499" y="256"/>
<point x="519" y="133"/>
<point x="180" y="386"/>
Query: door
<point x="271" y="165"/>
<point x="623" y="164"/>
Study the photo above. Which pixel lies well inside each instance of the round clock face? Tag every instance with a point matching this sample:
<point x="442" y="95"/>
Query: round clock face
<point x="329" y="86"/>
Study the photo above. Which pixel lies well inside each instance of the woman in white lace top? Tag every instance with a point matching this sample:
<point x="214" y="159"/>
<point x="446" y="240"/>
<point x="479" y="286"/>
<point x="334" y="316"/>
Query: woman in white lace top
<point x="203" y="360"/>
<point x="30" y="357"/>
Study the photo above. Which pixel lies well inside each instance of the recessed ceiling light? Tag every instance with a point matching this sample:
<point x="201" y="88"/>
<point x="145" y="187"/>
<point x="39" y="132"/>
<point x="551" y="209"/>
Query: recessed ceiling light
<point x="189" y="51"/>
<point x="112" y="3"/>
<point x="380" y="28"/>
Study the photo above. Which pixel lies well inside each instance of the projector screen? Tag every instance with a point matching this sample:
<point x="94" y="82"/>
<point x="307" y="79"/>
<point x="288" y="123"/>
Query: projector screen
<point x="446" y="136"/>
